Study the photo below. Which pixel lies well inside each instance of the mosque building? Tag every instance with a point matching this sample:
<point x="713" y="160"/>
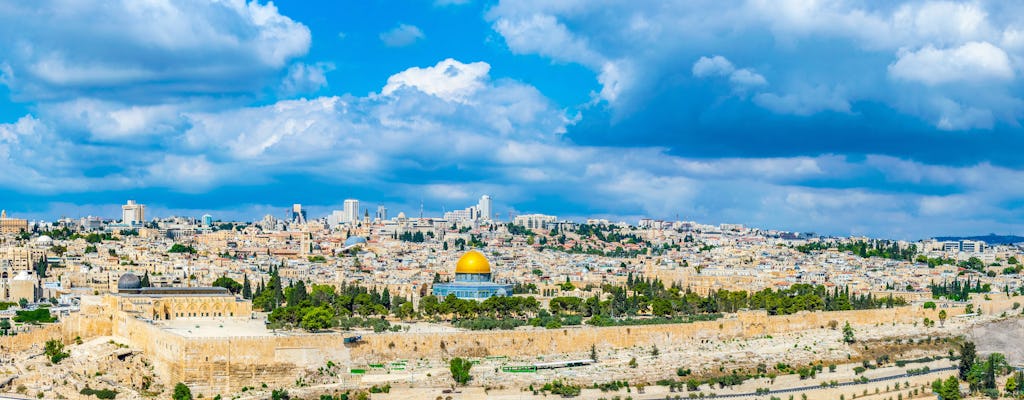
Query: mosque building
<point x="472" y="280"/>
<point x="166" y="303"/>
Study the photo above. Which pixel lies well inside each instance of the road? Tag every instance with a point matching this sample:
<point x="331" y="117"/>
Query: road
<point x="816" y="387"/>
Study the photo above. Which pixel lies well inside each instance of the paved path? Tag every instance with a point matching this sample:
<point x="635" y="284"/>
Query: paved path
<point x="816" y="387"/>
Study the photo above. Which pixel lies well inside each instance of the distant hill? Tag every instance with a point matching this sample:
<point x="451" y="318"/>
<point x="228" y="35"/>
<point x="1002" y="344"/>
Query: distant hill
<point x="989" y="239"/>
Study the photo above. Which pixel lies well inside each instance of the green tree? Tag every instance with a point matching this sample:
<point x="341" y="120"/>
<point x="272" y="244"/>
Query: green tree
<point x="317" y="319"/>
<point x="180" y="248"/>
<point x="246" y="287"/>
<point x="460" y="370"/>
<point x="230" y="284"/>
<point x="848" y="333"/>
<point x="942" y="317"/>
<point x="5" y="326"/>
<point x="181" y="392"/>
<point x="54" y="350"/>
<point x="22" y="302"/>
<point x="967" y="354"/>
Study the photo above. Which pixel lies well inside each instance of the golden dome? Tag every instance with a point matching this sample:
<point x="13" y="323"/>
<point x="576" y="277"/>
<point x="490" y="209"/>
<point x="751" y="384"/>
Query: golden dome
<point x="473" y="262"/>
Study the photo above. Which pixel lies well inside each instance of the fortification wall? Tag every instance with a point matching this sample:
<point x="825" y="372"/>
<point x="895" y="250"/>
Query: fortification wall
<point x="389" y="346"/>
<point x="217" y="365"/>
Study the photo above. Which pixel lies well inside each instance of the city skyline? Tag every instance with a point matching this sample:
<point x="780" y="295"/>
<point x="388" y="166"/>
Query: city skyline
<point x="898" y="120"/>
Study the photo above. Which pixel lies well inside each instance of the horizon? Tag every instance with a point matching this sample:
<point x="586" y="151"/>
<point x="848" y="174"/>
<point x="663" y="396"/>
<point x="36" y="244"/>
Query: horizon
<point x="899" y="120"/>
<point x="325" y="211"/>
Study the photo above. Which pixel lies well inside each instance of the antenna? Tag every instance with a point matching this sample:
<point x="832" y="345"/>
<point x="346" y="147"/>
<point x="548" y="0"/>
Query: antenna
<point x="421" y="208"/>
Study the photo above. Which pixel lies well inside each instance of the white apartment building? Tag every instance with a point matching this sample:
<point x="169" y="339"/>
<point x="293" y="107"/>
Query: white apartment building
<point x="133" y="213"/>
<point x="535" y="221"/>
<point x="351" y="211"/>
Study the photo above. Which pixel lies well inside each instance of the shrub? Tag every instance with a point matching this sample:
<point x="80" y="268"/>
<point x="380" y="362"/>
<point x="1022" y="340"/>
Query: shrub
<point x="54" y="350"/>
<point x="181" y="392"/>
<point x="105" y="394"/>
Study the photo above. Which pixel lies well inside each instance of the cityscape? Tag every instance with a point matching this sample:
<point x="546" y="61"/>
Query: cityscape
<point x="459" y="199"/>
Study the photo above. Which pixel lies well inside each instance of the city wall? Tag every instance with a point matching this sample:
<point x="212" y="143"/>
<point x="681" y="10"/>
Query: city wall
<point x="217" y="365"/>
<point x="389" y="346"/>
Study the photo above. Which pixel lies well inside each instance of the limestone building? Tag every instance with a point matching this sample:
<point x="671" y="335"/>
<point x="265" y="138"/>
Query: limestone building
<point x="12" y="225"/>
<point x="167" y="303"/>
<point x="17" y="284"/>
<point x="472" y="280"/>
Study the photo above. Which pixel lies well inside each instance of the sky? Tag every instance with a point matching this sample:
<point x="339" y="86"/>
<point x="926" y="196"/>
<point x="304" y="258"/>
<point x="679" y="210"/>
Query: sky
<point x="898" y="119"/>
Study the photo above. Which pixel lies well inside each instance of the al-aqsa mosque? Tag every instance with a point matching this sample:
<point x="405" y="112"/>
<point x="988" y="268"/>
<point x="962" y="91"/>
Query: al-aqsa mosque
<point x="473" y="280"/>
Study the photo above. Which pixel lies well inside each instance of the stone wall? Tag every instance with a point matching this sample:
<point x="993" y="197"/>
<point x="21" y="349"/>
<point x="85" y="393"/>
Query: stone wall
<point x="389" y="346"/>
<point x="217" y="365"/>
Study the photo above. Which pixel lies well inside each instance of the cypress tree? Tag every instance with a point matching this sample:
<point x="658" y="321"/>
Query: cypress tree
<point x="246" y="287"/>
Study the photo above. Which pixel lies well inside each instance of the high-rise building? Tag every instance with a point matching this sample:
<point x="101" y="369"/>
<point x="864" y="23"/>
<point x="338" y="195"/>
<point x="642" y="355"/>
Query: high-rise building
<point x="351" y="210"/>
<point x="382" y="213"/>
<point x="133" y="213"/>
<point x="207" y="220"/>
<point x="484" y="206"/>
<point x="298" y="214"/>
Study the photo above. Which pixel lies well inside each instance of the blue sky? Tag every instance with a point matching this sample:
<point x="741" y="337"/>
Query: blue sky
<point x="895" y="119"/>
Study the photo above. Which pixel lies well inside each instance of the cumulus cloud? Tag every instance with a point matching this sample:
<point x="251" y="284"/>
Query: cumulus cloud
<point x="401" y="35"/>
<point x="971" y="62"/>
<point x="804" y="101"/>
<point x="169" y="49"/>
<point x="718" y="66"/>
<point x="856" y="45"/>
<point x="449" y="80"/>
<point x="713" y="66"/>
<point x="303" y="78"/>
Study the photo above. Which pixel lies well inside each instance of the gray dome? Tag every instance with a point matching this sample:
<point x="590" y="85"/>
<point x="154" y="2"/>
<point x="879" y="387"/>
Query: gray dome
<point x="129" y="282"/>
<point x="354" y="240"/>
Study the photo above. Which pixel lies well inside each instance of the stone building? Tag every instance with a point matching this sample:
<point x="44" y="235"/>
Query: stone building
<point x="12" y="225"/>
<point x="166" y="303"/>
<point x="17" y="284"/>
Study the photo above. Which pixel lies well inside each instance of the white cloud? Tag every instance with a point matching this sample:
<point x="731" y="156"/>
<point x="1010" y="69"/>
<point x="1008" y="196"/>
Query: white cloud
<point x="545" y="35"/>
<point x="854" y="44"/>
<point x="130" y="49"/>
<point x="971" y="62"/>
<point x="713" y="66"/>
<point x="112" y="121"/>
<point x="745" y="78"/>
<point x="401" y="35"/>
<point x="303" y="78"/>
<point x="718" y="66"/>
<point x="805" y="101"/>
<point x="450" y="80"/>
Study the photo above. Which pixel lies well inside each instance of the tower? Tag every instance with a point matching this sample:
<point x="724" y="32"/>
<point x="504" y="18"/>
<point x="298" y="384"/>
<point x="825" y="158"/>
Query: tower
<point x="350" y="211"/>
<point x="298" y="214"/>
<point x="133" y="213"/>
<point x="484" y="206"/>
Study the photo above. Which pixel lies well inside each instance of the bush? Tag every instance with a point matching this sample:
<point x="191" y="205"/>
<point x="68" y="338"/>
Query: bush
<point x="54" y="350"/>
<point x="105" y="394"/>
<point x="460" y="370"/>
<point x="563" y="389"/>
<point x="181" y="392"/>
